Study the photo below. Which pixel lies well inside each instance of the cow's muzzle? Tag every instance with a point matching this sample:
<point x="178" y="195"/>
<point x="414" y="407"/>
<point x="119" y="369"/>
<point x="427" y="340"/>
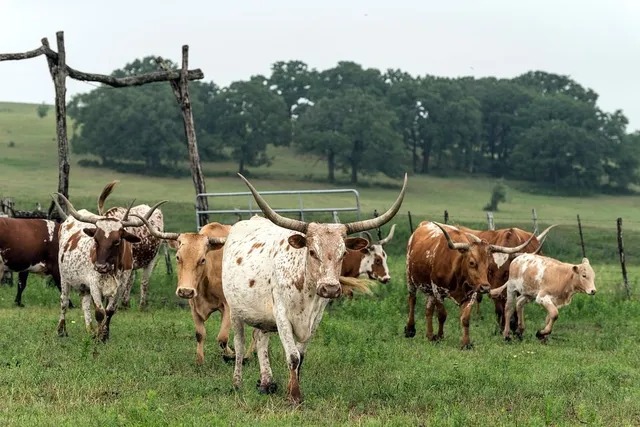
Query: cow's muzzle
<point x="186" y="293"/>
<point x="591" y="292"/>
<point x="484" y="289"/>
<point x="103" y="268"/>
<point x="329" y="290"/>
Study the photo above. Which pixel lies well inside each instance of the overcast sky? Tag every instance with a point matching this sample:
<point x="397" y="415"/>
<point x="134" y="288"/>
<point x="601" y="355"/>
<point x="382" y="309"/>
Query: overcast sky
<point x="597" y="43"/>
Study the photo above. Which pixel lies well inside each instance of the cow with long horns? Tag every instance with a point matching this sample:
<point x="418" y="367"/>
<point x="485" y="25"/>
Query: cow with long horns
<point x="444" y="261"/>
<point x="278" y="275"/>
<point x="95" y="258"/>
<point x="144" y="252"/>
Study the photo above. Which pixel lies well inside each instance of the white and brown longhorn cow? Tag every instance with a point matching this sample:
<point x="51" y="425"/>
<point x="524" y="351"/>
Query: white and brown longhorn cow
<point x="199" y="265"/>
<point x="548" y="282"/>
<point x="29" y="246"/>
<point x="94" y="257"/>
<point x="145" y="251"/>
<point x="281" y="281"/>
<point x="370" y="260"/>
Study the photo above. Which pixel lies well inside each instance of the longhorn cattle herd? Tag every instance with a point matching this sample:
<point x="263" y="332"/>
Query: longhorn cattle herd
<point x="278" y="274"/>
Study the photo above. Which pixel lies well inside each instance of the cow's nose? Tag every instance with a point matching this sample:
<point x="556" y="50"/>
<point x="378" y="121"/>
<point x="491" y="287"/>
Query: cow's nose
<point x="385" y="279"/>
<point x="101" y="268"/>
<point x="592" y="292"/>
<point x="329" y="290"/>
<point x="484" y="289"/>
<point x="186" y="293"/>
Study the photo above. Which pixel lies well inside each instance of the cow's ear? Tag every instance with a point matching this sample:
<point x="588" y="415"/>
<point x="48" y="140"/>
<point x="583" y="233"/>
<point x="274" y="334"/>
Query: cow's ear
<point x="298" y="241"/>
<point x="131" y="238"/>
<point x="89" y="231"/>
<point x="356" y="243"/>
<point x="575" y="269"/>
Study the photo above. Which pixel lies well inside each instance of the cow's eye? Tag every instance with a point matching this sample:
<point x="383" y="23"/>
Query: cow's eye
<point x="312" y="253"/>
<point x="202" y="261"/>
<point x="116" y="243"/>
<point x="177" y="258"/>
<point x="378" y="262"/>
<point x="472" y="263"/>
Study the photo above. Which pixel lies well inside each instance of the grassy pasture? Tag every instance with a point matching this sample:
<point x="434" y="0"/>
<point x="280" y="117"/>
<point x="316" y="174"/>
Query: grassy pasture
<point x="360" y="370"/>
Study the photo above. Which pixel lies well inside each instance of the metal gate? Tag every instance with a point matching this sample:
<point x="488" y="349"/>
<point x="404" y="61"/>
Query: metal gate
<point x="300" y="209"/>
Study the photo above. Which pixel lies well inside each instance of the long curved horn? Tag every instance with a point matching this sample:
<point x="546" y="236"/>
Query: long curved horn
<point x="369" y="224"/>
<point x="473" y="237"/>
<point x="155" y="232"/>
<point x="506" y="250"/>
<point x="277" y="219"/>
<point x="369" y="238"/>
<point x="126" y="214"/>
<point x="62" y="213"/>
<point x="452" y="244"/>
<point x="136" y="223"/>
<point x="103" y="196"/>
<point x="542" y="237"/>
<point x="389" y="236"/>
<point x="92" y="219"/>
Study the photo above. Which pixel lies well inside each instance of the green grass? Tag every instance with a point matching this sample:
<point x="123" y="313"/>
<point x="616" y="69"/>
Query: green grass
<point x="360" y="370"/>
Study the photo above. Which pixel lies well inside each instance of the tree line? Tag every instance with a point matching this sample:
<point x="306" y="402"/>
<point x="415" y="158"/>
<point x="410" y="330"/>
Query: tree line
<point x="538" y="127"/>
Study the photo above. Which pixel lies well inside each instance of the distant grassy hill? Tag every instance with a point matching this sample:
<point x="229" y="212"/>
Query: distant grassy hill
<point x="28" y="173"/>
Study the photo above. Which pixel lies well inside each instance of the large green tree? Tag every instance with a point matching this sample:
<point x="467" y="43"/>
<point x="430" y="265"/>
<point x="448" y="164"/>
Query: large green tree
<point x="249" y="116"/>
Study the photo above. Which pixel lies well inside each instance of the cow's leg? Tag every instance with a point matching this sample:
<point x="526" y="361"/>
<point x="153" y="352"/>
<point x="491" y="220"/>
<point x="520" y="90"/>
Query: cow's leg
<point x="126" y="293"/>
<point x="509" y="309"/>
<point x="238" y="343"/>
<point x="144" y="282"/>
<point x="520" y="303"/>
<point x="428" y="315"/>
<point x="112" y="306"/>
<point x="201" y="335"/>
<point x="85" y="300"/>
<point x="64" y="304"/>
<point x="265" y="384"/>
<point x="22" y="284"/>
<point x="499" y="305"/>
<point x="465" y="319"/>
<point x="410" y="328"/>
<point x="223" y="333"/>
<point x="552" y="316"/>
<point x="292" y="354"/>
<point x="442" y="317"/>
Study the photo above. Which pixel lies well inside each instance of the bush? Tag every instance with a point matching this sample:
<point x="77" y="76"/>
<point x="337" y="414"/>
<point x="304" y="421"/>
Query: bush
<point x="498" y="194"/>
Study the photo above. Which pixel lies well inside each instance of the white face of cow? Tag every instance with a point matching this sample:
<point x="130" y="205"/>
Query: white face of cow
<point x="375" y="263"/>
<point x="326" y="246"/>
<point x="586" y="277"/>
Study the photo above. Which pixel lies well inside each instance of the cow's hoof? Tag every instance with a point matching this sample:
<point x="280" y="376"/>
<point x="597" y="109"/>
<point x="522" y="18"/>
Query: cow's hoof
<point x="518" y="334"/>
<point x="467" y="346"/>
<point x="269" y="388"/>
<point x="409" y="331"/>
<point x="228" y="357"/>
<point x="435" y="338"/>
<point x="507" y="338"/>
<point x="542" y="337"/>
<point x="19" y="304"/>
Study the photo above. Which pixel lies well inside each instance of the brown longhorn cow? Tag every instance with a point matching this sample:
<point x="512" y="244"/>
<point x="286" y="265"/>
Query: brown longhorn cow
<point x="444" y="261"/>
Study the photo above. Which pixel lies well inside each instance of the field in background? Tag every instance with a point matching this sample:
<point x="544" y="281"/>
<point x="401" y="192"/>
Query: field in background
<point x="360" y="370"/>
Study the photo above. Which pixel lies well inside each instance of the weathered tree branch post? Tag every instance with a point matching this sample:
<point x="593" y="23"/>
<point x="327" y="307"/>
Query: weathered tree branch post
<point x="58" y="71"/>
<point x="181" y="91"/>
<point x="622" y="262"/>
<point x="410" y="222"/>
<point x="379" y="230"/>
<point x="446" y="216"/>
<point x="584" y="254"/>
<point x="490" y="225"/>
<point x="534" y="218"/>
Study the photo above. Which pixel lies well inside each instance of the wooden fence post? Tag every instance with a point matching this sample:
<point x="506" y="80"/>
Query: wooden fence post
<point x="622" y="262"/>
<point x="379" y="231"/>
<point x="584" y="254"/>
<point x="446" y="216"/>
<point x="534" y="217"/>
<point x="410" y="222"/>
<point x="490" y="225"/>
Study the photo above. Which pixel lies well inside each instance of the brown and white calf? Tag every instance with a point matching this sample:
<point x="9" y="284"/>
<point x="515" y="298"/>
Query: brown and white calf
<point x="95" y="258"/>
<point x="29" y="246"/>
<point x="199" y="271"/>
<point x="281" y="281"/>
<point x="551" y="283"/>
<point x="145" y="251"/>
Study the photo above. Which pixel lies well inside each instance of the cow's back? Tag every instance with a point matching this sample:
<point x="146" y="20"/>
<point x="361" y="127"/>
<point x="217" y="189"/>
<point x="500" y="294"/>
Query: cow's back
<point x="30" y="241"/>
<point x="533" y="273"/>
<point x="429" y="258"/>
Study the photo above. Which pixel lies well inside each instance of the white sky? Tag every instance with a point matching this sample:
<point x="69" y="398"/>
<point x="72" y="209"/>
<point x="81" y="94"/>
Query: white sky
<point x="597" y="43"/>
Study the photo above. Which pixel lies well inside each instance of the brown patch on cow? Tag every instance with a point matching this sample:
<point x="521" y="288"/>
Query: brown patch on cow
<point x="69" y="226"/>
<point x="299" y="283"/>
<point x="255" y="246"/>
<point x="72" y="243"/>
<point x="281" y="242"/>
<point x="239" y="260"/>
<point x="251" y="283"/>
<point x="198" y="337"/>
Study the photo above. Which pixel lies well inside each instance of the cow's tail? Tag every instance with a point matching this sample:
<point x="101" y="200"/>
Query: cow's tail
<point x="354" y="284"/>
<point x="495" y="293"/>
<point x="103" y="196"/>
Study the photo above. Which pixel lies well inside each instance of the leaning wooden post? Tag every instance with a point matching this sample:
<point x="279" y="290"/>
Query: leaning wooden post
<point x="379" y="231"/>
<point x="534" y="217"/>
<point x="490" y="225"/>
<point x="622" y="263"/>
<point x="446" y="216"/>
<point x="181" y="91"/>
<point x="584" y="254"/>
<point x="58" y="71"/>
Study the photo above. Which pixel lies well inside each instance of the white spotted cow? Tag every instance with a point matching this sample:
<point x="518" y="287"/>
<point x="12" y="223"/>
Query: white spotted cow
<point x="278" y="275"/>
<point x="548" y="282"/>
<point x="95" y="258"/>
